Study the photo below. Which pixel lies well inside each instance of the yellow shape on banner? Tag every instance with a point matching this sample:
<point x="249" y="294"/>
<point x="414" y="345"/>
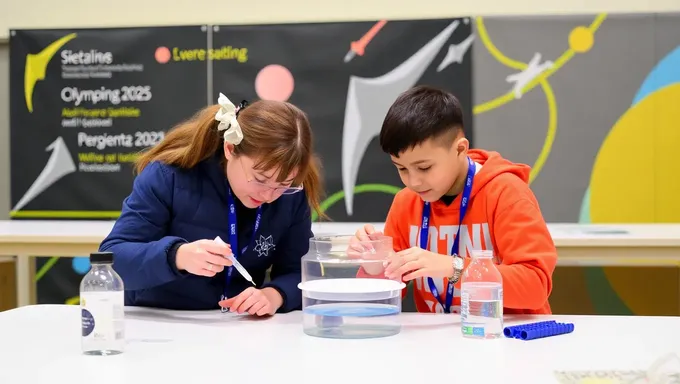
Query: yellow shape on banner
<point x="581" y="39"/>
<point x="36" y="67"/>
<point x="634" y="180"/>
<point x="635" y="175"/>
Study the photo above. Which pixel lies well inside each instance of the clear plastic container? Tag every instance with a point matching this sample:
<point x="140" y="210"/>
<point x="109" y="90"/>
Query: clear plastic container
<point x="481" y="295"/>
<point x="102" y="307"/>
<point x="345" y="293"/>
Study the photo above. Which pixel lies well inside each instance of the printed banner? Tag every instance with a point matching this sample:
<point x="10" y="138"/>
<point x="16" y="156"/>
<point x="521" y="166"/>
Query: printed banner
<point x="346" y="76"/>
<point x="83" y="103"/>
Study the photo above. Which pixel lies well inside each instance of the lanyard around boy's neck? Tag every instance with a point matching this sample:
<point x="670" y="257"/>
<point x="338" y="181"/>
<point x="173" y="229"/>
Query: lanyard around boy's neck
<point x="424" y="235"/>
<point x="233" y="236"/>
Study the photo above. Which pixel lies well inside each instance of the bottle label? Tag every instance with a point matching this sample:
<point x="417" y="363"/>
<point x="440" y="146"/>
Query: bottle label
<point x="467" y="328"/>
<point x="473" y="330"/>
<point x="464" y="304"/>
<point x="102" y="315"/>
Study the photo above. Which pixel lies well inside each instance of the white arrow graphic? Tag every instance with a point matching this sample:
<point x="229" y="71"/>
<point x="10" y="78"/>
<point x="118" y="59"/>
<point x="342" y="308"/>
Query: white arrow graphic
<point x="456" y="53"/>
<point x="368" y="100"/>
<point x="59" y="165"/>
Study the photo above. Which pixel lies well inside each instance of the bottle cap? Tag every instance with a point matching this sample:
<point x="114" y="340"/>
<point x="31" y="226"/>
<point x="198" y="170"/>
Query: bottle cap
<point x="101" y="258"/>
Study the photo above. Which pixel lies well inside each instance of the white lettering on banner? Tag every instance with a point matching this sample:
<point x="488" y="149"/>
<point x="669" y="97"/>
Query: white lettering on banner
<point x="86" y="57"/>
<point x="470" y="240"/>
<point x="126" y="93"/>
<point x="104" y="140"/>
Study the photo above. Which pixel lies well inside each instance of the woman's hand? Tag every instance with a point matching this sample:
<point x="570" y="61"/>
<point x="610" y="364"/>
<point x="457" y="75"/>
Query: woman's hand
<point x="259" y="302"/>
<point x="203" y="257"/>
<point x="416" y="262"/>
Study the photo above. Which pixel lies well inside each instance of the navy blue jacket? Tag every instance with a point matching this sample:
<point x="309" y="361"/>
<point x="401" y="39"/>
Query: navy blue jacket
<point x="169" y="206"/>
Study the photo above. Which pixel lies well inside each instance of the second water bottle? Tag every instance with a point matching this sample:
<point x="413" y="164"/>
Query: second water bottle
<point x="481" y="298"/>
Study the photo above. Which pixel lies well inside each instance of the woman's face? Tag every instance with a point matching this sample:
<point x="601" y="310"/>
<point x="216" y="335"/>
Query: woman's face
<point x="251" y="186"/>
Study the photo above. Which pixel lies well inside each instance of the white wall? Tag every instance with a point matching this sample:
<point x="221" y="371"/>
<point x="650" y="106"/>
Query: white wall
<point x="100" y="13"/>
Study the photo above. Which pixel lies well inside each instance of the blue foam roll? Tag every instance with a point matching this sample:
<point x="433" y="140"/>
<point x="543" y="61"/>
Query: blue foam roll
<point x="514" y="331"/>
<point x="553" y="330"/>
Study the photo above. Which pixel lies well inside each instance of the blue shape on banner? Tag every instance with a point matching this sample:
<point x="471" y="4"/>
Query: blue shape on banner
<point x="81" y="265"/>
<point x="665" y="73"/>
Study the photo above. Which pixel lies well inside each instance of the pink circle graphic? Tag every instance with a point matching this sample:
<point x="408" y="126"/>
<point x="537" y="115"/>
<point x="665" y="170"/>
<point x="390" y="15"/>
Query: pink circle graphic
<point x="162" y="55"/>
<point x="274" y="82"/>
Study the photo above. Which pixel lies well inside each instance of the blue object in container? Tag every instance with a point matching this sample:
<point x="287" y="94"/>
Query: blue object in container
<point x="327" y="321"/>
<point x="353" y="311"/>
<point x="331" y="316"/>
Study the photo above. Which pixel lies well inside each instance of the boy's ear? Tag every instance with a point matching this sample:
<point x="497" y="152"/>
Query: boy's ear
<point x="461" y="145"/>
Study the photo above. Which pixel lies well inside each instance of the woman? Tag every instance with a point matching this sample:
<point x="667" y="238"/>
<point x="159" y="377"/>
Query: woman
<point x="250" y="169"/>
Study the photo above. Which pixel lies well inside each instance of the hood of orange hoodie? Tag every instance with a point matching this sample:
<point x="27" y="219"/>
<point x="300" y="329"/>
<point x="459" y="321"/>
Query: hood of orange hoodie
<point x="493" y="165"/>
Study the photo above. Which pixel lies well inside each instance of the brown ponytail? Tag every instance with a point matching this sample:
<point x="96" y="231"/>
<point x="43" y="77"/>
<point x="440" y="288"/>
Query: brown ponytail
<point x="277" y="135"/>
<point x="313" y="184"/>
<point x="187" y="144"/>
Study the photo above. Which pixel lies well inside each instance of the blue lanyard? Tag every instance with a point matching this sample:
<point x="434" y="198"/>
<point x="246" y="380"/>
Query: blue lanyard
<point x="233" y="236"/>
<point x="424" y="235"/>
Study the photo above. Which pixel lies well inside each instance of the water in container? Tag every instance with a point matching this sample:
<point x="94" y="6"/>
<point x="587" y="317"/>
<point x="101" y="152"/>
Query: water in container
<point x="344" y="290"/>
<point x="482" y="298"/>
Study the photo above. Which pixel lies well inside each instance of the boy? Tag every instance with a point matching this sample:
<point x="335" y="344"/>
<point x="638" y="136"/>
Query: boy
<point x="424" y="134"/>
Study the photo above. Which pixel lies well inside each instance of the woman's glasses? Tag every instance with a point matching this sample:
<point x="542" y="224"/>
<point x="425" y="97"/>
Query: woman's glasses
<point x="283" y="190"/>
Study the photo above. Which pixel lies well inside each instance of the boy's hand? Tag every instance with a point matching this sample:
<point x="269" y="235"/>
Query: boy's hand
<point x="360" y="247"/>
<point x="367" y="233"/>
<point x="416" y="262"/>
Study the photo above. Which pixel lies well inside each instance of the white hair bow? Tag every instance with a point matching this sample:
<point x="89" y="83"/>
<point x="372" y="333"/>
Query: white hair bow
<point x="226" y="115"/>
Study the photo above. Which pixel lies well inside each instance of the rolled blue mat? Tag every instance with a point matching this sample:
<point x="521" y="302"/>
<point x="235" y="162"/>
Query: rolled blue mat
<point x="553" y="330"/>
<point x="514" y="331"/>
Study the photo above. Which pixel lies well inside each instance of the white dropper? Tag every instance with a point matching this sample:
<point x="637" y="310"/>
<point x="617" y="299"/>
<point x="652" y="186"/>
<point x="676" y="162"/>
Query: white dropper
<point x="236" y="264"/>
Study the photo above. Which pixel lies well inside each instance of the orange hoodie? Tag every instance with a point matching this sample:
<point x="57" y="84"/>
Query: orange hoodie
<point x="503" y="216"/>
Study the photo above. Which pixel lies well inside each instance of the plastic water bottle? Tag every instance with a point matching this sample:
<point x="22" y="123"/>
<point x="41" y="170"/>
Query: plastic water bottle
<point x="482" y="298"/>
<point x="102" y="307"/>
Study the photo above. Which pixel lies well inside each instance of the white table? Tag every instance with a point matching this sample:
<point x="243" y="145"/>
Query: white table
<point x="594" y="245"/>
<point x="41" y="344"/>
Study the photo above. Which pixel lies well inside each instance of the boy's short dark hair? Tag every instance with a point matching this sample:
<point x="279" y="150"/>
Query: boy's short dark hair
<point x="419" y="114"/>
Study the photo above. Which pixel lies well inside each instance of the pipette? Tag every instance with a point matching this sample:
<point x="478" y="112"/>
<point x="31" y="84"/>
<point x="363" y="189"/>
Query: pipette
<point x="236" y="264"/>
